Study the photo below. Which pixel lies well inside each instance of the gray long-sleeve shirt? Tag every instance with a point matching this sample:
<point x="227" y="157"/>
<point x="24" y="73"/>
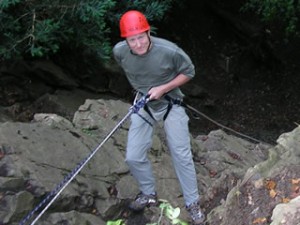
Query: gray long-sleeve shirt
<point x="161" y="64"/>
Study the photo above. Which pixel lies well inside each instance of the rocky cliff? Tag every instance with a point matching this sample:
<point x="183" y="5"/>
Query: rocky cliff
<point x="240" y="182"/>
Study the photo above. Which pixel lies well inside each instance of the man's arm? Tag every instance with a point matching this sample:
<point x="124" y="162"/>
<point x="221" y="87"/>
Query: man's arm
<point x="156" y="92"/>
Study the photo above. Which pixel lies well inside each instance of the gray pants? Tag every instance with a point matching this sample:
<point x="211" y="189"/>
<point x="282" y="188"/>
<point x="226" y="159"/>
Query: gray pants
<point x="178" y="140"/>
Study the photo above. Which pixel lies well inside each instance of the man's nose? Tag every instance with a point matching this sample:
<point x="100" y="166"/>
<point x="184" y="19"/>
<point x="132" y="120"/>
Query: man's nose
<point x="138" y="43"/>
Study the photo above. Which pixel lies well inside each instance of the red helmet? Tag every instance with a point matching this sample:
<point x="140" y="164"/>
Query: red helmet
<point x="133" y="22"/>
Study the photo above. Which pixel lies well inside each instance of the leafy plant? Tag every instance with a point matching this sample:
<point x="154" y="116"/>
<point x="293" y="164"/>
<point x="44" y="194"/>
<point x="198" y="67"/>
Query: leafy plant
<point x="167" y="210"/>
<point x="87" y="131"/>
<point x="286" y="11"/>
<point x="41" y="28"/>
<point x="171" y="213"/>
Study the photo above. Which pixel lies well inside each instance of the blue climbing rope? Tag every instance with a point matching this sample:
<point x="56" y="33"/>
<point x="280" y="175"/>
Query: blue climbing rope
<point x="52" y="196"/>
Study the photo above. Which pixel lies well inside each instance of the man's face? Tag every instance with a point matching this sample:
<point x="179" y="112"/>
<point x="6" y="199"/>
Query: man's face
<point x="139" y="43"/>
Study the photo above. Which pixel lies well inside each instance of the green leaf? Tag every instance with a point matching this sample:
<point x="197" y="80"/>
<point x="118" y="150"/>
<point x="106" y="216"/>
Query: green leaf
<point x="37" y="51"/>
<point x="117" y="222"/>
<point x="178" y="221"/>
<point x="4" y="4"/>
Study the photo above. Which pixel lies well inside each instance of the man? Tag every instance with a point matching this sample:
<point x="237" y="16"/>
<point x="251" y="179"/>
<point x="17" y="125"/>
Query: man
<point x="157" y="68"/>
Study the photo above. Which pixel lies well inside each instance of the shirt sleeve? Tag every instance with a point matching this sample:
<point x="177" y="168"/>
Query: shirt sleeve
<point x="116" y="56"/>
<point x="184" y="64"/>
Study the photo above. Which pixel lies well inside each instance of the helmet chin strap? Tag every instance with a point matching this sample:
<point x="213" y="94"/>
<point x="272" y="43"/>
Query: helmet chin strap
<point x="150" y="43"/>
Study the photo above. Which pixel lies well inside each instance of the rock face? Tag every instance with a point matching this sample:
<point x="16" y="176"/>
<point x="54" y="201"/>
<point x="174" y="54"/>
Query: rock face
<point x="66" y="161"/>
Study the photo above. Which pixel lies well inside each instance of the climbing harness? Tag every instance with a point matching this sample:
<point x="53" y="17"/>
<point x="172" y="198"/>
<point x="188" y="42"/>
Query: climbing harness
<point x="171" y="102"/>
<point x="60" y="187"/>
<point x="169" y="107"/>
<point x="195" y="111"/>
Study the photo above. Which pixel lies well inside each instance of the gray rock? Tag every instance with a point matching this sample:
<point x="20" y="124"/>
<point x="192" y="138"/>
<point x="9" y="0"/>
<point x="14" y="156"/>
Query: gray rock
<point x="38" y="158"/>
